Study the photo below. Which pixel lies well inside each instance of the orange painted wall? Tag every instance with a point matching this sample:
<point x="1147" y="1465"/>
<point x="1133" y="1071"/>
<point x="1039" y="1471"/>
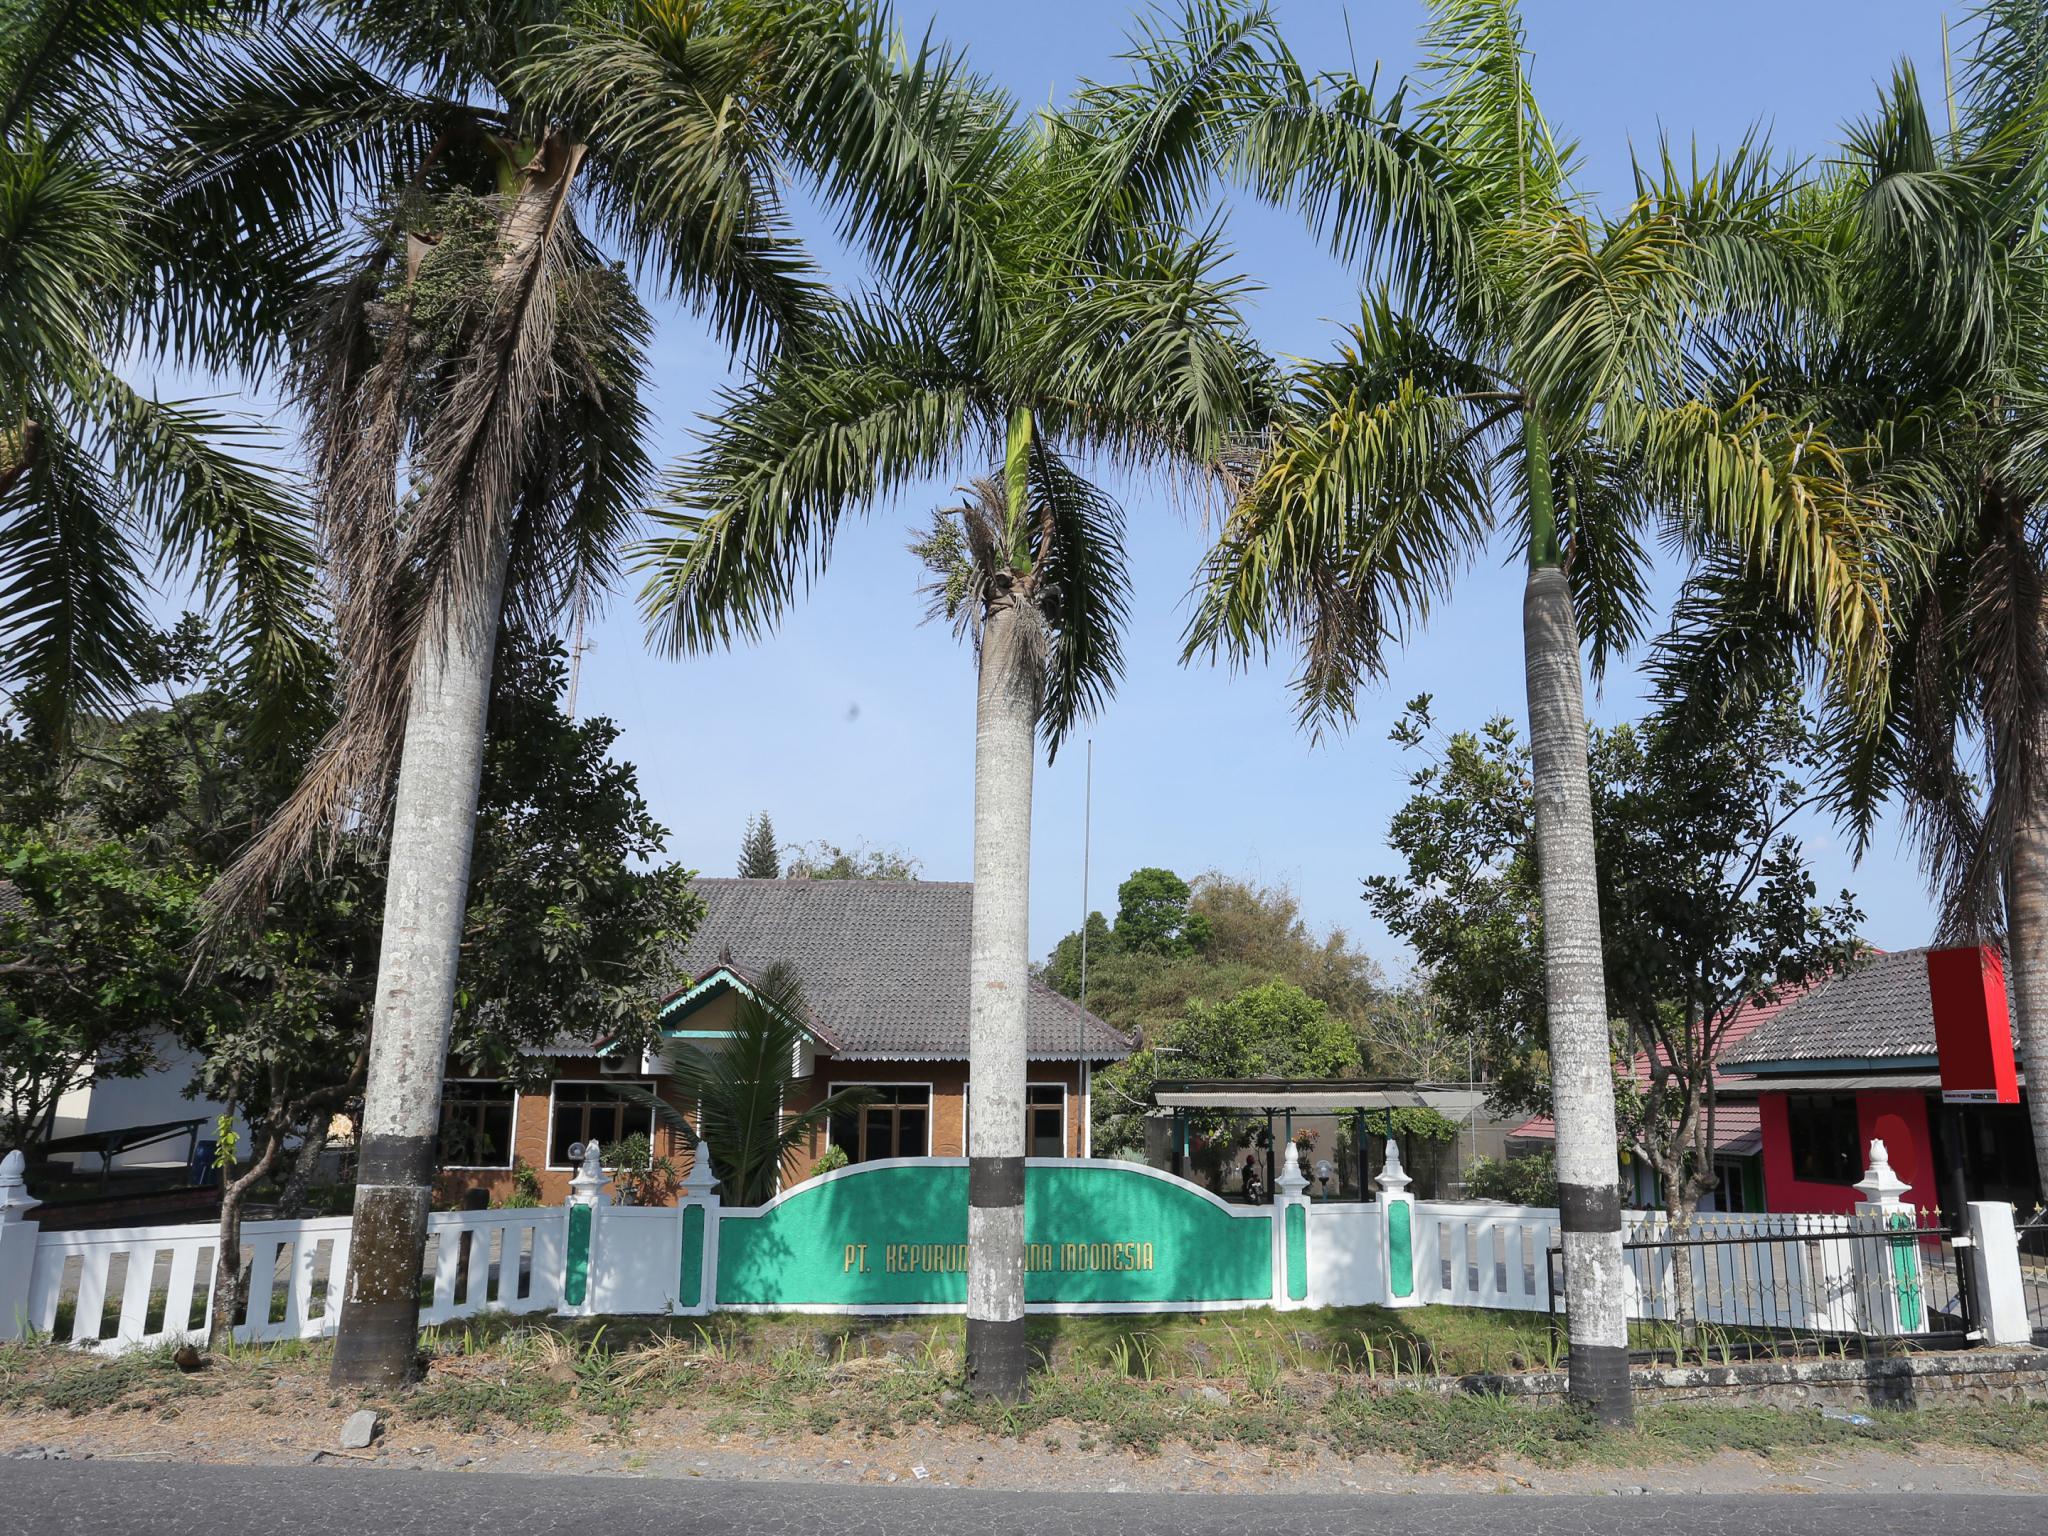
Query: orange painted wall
<point x="948" y="1081"/>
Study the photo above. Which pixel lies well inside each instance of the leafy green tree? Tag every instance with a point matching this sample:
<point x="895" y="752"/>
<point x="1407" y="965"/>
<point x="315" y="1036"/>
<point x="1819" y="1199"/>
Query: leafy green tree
<point x="760" y="853"/>
<point x="1153" y="914"/>
<point x="92" y="968"/>
<point x="1271" y="1030"/>
<point x="1254" y="935"/>
<point x="1530" y="1179"/>
<point x="1707" y="904"/>
<point x="1528" y="363"/>
<point x="1063" y="311"/>
<point x="114" y="834"/>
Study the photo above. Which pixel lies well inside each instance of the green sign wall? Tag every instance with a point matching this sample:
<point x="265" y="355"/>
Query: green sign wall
<point x="895" y="1234"/>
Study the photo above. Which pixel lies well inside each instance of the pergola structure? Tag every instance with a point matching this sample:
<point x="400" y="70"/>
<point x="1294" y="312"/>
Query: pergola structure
<point x="1279" y="1103"/>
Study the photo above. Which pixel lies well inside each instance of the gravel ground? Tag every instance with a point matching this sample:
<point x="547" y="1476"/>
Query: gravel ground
<point x="298" y="1423"/>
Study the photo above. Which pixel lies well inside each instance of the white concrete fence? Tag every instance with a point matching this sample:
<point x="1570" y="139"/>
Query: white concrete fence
<point x="126" y="1288"/>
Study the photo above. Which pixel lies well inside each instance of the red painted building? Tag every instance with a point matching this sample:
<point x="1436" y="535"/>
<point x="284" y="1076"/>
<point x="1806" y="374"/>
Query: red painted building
<point x="1855" y="1059"/>
<point x="1739" y="1173"/>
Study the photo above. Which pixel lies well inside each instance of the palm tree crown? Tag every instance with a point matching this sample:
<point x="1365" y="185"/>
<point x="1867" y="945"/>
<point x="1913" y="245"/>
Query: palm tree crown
<point x="104" y="487"/>
<point x="1525" y="359"/>
<point x="1073" y="315"/>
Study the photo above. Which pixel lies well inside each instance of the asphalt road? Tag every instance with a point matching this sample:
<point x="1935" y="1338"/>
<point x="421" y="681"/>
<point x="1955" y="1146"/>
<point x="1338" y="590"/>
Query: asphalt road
<point x="112" y="1499"/>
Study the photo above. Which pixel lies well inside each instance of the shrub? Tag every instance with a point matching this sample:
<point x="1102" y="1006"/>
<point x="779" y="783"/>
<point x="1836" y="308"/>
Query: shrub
<point x="642" y="1178"/>
<point x="834" y="1158"/>
<point x="1530" y="1179"/>
<point x="525" y="1194"/>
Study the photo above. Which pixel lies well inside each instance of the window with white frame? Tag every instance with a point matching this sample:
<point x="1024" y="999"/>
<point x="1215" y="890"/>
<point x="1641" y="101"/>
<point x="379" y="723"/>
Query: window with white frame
<point x="896" y="1121"/>
<point x="583" y="1109"/>
<point x="477" y="1120"/>
<point x="1045" y="1120"/>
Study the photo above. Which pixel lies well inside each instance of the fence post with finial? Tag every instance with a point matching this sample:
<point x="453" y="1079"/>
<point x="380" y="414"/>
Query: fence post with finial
<point x="1890" y="1287"/>
<point x="697" y="1215"/>
<point x="586" y="1199"/>
<point x="18" y="1234"/>
<point x="1290" y="1233"/>
<point x="1397" y="1230"/>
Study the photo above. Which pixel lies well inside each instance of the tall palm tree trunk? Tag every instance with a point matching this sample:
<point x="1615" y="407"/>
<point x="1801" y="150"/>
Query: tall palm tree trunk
<point x="1008" y="703"/>
<point x="433" y="826"/>
<point x="2026" y="965"/>
<point x="1575" y="983"/>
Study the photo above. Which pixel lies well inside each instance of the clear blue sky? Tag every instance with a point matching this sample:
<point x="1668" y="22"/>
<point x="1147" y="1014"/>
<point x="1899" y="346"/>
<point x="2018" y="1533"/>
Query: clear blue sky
<point x="856" y="722"/>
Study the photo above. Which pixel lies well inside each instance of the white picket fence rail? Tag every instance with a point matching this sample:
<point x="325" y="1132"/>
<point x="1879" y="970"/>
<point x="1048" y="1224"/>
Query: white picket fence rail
<point x="133" y="1287"/>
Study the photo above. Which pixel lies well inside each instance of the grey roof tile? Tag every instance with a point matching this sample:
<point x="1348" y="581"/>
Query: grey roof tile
<point x="883" y="965"/>
<point x="1877" y="1009"/>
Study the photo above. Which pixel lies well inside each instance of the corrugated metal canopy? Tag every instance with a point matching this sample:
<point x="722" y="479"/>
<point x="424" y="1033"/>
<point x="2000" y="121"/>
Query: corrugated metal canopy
<point x="1287" y="1095"/>
<point x="1795" y="1082"/>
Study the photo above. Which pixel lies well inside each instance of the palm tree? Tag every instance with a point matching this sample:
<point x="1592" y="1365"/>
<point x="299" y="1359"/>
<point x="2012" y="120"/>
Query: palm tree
<point x="1527" y="347"/>
<point x="471" y="382"/>
<point x="1933" y="340"/>
<point x="1073" y="316"/>
<point x="102" y="486"/>
<point x="739" y="1090"/>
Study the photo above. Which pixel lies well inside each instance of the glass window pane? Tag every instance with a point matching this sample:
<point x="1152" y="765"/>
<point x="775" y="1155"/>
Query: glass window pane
<point x="565" y="1129"/>
<point x="881" y="1133"/>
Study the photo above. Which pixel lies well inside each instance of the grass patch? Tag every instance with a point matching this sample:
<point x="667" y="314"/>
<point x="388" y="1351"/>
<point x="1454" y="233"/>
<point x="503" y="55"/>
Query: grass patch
<point x="65" y="1381"/>
<point x="1284" y="1384"/>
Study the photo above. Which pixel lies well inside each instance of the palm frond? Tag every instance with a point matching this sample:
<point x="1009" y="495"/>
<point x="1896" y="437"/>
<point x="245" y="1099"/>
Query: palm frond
<point x="740" y="1088"/>
<point x="1367" y="506"/>
<point x="913" y="151"/>
<point x="1368" y="184"/>
<point x="820" y="431"/>
<point x="1501" y="161"/>
<point x="1148" y="149"/>
<point x="684" y="142"/>
<point x="197" y="487"/>
<point x="1149" y="360"/>
<point x="472" y="457"/>
<point x="1081" y="586"/>
<point x="71" y="621"/>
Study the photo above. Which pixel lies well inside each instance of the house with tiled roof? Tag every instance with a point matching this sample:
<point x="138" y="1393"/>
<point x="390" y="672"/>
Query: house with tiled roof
<point x="1738" y="1131"/>
<point x="884" y="972"/>
<point x="1855" y="1060"/>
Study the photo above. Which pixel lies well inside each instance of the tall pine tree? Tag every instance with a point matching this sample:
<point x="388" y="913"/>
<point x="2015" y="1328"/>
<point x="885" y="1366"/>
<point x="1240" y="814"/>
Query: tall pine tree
<point x="760" y="854"/>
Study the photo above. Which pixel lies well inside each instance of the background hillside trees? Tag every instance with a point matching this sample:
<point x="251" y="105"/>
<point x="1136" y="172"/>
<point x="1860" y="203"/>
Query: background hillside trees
<point x="1216" y="977"/>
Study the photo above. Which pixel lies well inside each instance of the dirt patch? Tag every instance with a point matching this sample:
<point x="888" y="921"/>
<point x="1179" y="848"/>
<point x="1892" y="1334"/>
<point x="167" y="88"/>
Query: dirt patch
<point x="680" y="1407"/>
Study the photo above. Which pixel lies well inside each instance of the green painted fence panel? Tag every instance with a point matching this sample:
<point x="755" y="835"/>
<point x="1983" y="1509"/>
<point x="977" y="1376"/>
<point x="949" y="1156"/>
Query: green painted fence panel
<point x="690" y="1283"/>
<point x="1297" y="1253"/>
<point x="1401" y="1247"/>
<point x="895" y="1234"/>
<point x="1906" y="1277"/>
<point x="576" y="1281"/>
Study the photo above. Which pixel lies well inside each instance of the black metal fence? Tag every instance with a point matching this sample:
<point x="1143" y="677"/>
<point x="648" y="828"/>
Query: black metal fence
<point x="1764" y="1284"/>
<point x="2033" y="1236"/>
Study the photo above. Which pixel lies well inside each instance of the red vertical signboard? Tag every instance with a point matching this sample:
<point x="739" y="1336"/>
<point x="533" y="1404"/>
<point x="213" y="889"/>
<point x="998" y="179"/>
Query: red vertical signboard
<point x="1972" y="1030"/>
